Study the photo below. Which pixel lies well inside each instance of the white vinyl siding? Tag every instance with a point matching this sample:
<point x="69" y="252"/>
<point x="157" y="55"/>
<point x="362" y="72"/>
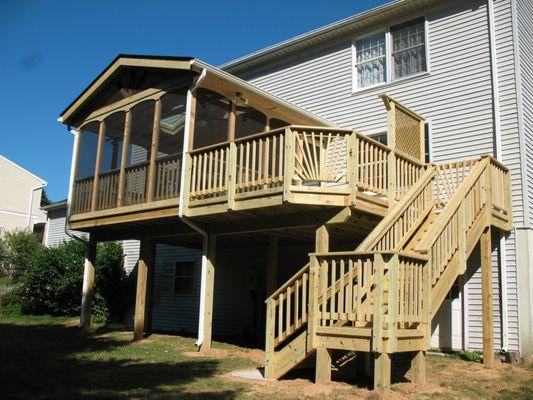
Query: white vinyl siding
<point x="456" y="96"/>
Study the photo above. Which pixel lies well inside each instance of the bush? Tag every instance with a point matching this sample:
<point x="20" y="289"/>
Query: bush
<point x="51" y="279"/>
<point x="17" y="249"/>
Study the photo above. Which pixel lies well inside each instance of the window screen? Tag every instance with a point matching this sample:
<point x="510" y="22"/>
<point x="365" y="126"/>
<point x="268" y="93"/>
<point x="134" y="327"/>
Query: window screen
<point x="114" y="135"/>
<point x="88" y="145"/>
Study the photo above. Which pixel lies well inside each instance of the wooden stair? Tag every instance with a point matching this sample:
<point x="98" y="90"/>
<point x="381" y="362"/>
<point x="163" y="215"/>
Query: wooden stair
<point x="382" y="297"/>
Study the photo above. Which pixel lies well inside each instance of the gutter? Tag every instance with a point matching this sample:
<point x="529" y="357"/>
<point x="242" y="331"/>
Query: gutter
<point x="498" y="155"/>
<point x="205" y="236"/>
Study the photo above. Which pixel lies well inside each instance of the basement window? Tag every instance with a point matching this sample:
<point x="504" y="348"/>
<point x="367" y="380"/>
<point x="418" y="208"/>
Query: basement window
<point x="184" y="277"/>
<point x="395" y="53"/>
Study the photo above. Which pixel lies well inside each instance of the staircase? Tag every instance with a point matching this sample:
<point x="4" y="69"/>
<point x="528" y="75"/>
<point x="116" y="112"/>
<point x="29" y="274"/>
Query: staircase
<point x="382" y="297"/>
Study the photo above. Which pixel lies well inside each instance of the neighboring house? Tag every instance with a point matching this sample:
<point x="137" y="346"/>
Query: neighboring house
<point x="55" y="233"/>
<point x="241" y="177"/>
<point x="20" y="198"/>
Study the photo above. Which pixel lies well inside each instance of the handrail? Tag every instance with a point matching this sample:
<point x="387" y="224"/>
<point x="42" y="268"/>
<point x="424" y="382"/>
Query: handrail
<point x="289" y="282"/>
<point x="397" y="211"/>
<point x="433" y="233"/>
<point x="370" y="252"/>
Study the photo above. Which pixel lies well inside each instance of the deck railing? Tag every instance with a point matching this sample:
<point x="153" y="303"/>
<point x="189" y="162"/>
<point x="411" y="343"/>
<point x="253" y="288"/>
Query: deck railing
<point x="279" y="160"/>
<point x="166" y="174"/>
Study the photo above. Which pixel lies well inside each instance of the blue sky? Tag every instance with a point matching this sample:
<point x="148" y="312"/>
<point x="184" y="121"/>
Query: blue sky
<point x="51" y="50"/>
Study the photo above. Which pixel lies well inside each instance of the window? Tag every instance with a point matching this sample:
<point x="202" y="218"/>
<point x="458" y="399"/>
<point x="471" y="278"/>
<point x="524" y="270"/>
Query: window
<point x="398" y="52"/>
<point x="408" y="49"/>
<point x="184" y="277"/>
<point x="370" y="60"/>
<point x="379" y="137"/>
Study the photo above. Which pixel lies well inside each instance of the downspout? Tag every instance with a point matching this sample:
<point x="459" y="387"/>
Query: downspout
<point x="498" y="156"/>
<point x="71" y="183"/>
<point x="181" y="209"/>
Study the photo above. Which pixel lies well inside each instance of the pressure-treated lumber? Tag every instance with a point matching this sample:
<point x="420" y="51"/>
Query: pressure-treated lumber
<point x="144" y="266"/>
<point x="88" y="285"/>
<point x="323" y="365"/>
<point x="124" y="160"/>
<point x="153" y="151"/>
<point x="209" y="253"/>
<point x="487" y="298"/>
<point x="382" y="371"/>
<point x="418" y="367"/>
<point x="272" y="265"/>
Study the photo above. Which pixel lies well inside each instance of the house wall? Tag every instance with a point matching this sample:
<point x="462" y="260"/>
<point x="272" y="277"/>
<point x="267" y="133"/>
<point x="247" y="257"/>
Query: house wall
<point x="523" y="24"/>
<point x="455" y="96"/>
<point x="15" y="202"/>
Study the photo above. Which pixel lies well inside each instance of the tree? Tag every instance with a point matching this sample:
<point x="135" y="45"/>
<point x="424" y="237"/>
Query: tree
<point x="45" y="201"/>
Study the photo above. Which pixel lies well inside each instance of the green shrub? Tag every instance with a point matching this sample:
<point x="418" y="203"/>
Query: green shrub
<point x="17" y="249"/>
<point x="11" y="302"/>
<point x="51" y="279"/>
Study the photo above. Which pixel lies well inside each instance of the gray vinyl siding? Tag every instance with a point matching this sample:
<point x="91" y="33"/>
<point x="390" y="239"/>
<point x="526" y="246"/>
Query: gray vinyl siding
<point x="455" y="95"/>
<point x="131" y="254"/>
<point x="524" y="17"/>
<point x="55" y="230"/>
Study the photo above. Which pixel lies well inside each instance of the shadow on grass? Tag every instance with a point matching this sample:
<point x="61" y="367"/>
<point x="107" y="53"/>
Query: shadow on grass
<point x="55" y="361"/>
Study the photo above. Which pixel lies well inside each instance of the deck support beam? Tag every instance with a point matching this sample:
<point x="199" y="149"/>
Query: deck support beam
<point x="207" y="292"/>
<point x="323" y="365"/>
<point x="487" y="298"/>
<point x="382" y="371"/>
<point x="418" y="367"/>
<point x="88" y="285"/>
<point x="144" y="271"/>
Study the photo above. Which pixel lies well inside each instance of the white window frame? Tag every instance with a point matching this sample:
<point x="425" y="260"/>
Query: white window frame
<point x="195" y="263"/>
<point x="388" y="56"/>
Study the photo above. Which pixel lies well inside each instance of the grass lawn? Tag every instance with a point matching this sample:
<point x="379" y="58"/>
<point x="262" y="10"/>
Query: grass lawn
<point x="47" y="358"/>
<point x="4" y="281"/>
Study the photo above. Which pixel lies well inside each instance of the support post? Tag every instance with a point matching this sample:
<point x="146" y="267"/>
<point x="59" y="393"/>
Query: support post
<point x="487" y="298"/>
<point x="382" y="372"/>
<point x="231" y="120"/>
<point x="288" y="172"/>
<point x="99" y="150"/>
<point x="352" y="166"/>
<point x="418" y="367"/>
<point x="323" y="365"/>
<point x="143" y="271"/>
<point x="322" y="239"/>
<point x="208" y="293"/>
<point x="272" y="265"/>
<point x="270" y="338"/>
<point x="88" y="286"/>
<point x="124" y="160"/>
<point x="153" y="151"/>
<point x="232" y="175"/>
<point x="391" y="158"/>
<point x="394" y="265"/>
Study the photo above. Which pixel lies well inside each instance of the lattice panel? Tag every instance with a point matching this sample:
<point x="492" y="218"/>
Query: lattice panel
<point x="408" y="134"/>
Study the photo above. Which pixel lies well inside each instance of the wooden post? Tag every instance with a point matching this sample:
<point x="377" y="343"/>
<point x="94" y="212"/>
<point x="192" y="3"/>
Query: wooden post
<point x="270" y="338"/>
<point x="143" y="272"/>
<point x="153" y="151"/>
<point x="124" y="159"/>
<point x="394" y="265"/>
<point x="232" y="117"/>
<point x="426" y="300"/>
<point x="267" y="123"/>
<point x="418" y="367"/>
<point x="391" y="158"/>
<point x="99" y="150"/>
<point x="288" y="172"/>
<point x="487" y="298"/>
<point x="88" y="285"/>
<point x="382" y="372"/>
<point x="461" y="231"/>
<point x="210" y="252"/>
<point x="352" y="166"/>
<point x="322" y="239"/>
<point x="323" y="365"/>
<point x="377" y="325"/>
<point x="192" y="120"/>
<point x="232" y="175"/>
<point x="272" y="265"/>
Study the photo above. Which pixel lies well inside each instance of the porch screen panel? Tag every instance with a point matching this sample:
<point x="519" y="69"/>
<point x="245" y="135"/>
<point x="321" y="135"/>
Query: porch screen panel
<point x="110" y="162"/>
<point x="248" y="121"/>
<point x="276" y="123"/>
<point x="211" y="122"/>
<point x="169" y="154"/>
<point x="88" y="144"/>
<point x="142" y="122"/>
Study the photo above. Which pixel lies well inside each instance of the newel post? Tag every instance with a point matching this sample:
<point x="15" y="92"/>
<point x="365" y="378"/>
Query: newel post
<point x="288" y="164"/>
<point x="312" y="318"/>
<point x="391" y="158"/>
<point x="154" y="147"/>
<point x="352" y="162"/>
<point x="394" y="265"/>
<point x="270" y="337"/>
<point x="426" y="299"/>
<point x="232" y="174"/>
